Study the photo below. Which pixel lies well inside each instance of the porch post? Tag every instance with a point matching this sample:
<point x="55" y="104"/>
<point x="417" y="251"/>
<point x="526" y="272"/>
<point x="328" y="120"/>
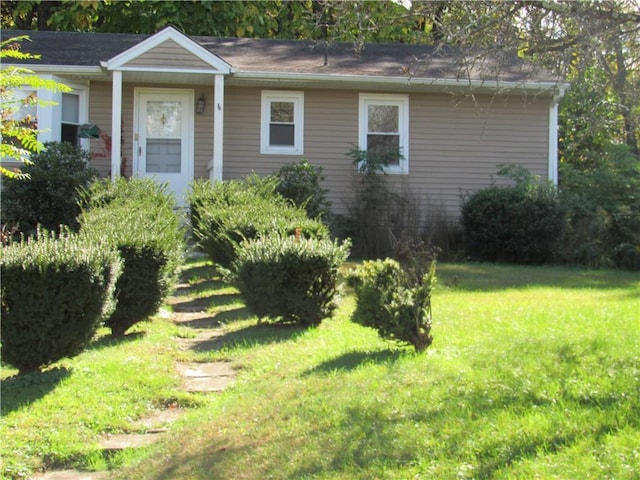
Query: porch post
<point x="215" y="174"/>
<point x="116" y="124"/>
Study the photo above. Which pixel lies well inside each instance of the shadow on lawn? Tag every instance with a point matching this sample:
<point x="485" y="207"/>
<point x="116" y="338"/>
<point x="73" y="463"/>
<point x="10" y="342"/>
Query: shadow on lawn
<point x="21" y="390"/>
<point x="260" y="334"/>
<point x="353" y="360"/>
<point x="107" y="341"/>
<point x="201" y="304"/>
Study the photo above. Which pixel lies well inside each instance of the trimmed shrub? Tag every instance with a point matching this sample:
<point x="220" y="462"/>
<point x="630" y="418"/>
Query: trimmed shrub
<point x="290" y="279"/>
<point x="394" y="302"/>
<point x="138" y="219"/>
<point x="300" y="183"/>
<point x="55" y="294"/>
<point x="518" y="224"/>
<point x="227" y="213"/>
<point x="50" y="196"/>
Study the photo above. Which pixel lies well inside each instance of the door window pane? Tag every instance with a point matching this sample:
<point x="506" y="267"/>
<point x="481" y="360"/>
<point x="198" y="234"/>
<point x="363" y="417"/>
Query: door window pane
<point x="164" y="119"/>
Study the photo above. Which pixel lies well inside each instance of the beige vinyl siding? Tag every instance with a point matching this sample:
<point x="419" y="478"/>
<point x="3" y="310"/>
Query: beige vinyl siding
<point x="242" y="134"/>
<point x="453" y="147"/>
<point x="100" y="115"/>
<point x="203" y="135"/>
<point x="170" y="55"/>
<point x="331" y="129"/>
<point x="100" y="95"/>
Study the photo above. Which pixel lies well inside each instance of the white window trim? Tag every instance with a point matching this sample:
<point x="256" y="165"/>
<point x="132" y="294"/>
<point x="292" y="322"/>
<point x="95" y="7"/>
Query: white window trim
<point x="402" y="102"/>
<point x="297" y="98"/>
<point x="50" y="116"/>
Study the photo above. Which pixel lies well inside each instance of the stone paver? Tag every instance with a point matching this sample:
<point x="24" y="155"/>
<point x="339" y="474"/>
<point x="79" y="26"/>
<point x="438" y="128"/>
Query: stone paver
<point x="206" y="377"/>
<point x="128" y="440"/>
<point x="71" y="475"/>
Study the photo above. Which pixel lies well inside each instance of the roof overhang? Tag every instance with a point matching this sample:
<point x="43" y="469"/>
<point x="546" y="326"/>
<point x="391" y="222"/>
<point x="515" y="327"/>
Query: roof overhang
<point x="336" y="81"/>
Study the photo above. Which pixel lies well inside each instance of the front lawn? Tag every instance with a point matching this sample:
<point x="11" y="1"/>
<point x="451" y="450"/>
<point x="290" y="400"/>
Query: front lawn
<point x="534" y="373"/>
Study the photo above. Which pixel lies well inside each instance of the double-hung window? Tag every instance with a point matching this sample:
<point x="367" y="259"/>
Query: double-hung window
<point x="70" y="107"/>
<point x="282" y="123"/>
<point x="384" y="130"/>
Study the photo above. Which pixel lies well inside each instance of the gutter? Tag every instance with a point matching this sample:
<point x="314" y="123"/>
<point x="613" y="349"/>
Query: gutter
<point x="438" y="83"/>
<point x="59" y="69"/>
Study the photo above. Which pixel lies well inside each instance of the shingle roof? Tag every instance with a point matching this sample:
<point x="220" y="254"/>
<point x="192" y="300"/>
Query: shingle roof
<point x="287" y="56"/>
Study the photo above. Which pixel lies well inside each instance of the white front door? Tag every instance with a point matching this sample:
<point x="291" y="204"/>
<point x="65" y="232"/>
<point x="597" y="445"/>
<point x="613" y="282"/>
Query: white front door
<point x="164" y="137"/>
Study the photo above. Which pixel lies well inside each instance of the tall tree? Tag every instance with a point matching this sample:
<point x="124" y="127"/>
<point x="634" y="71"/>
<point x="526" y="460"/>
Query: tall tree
<point x="592" y="42"/>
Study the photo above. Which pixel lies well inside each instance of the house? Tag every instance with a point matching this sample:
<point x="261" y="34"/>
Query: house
<point x="178" y="108"/>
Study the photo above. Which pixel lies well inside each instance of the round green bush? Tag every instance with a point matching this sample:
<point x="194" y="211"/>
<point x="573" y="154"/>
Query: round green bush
<point x="289" y="279"/>
<point x="49" y="197"/>
<point x="139" y="219"/>
<point x="300" y="183"/>
<point x="519" y="224"/>
<point x="55" y="294"/>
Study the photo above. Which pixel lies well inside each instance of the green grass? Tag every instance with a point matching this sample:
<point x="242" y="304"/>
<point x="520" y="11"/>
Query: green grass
<point x="534" y="373"/>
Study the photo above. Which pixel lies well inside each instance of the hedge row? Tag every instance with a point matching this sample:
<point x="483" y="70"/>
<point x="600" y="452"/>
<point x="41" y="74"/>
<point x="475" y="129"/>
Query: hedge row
<point x="283" y="262"/>
<point x="224" y="214"/>
<point x="58" y="289"/>
<point x="592" y="219"/>
<point x="138" y="219"/>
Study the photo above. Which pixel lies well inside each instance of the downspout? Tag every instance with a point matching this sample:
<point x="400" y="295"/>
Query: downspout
<point x="553" y="137"/>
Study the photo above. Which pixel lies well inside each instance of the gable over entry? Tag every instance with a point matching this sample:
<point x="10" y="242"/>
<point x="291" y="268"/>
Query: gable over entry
<point x="168" y="57"/>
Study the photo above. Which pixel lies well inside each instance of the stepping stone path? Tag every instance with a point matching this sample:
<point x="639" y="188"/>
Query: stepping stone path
<point x="197" y="378"/>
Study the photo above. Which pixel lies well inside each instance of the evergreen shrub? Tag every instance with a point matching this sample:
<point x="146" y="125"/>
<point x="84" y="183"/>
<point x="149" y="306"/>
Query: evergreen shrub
<point x="290" y="279"/>
<point x="394" y="301"/>
<point x="517" y="224"/>
<point x="55" y="294"/>
<point x="300" y="183"/>
<point x="49" y="197"/>
<point x="138" y="218"/>
<point x="225" y="214"/>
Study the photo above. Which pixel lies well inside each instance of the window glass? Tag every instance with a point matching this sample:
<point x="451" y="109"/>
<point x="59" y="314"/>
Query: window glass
<point x="164" y="119"/>
<point x="384" y="146"/>
<point x="70" y="108"/>
<point x="282" y="123"/>
<point x="282" y="112"/>
<point x="282" y="129"/>
<point x="70" y="118"/>
<point x="383" y="118"/>
<point x="384" y="129"/>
